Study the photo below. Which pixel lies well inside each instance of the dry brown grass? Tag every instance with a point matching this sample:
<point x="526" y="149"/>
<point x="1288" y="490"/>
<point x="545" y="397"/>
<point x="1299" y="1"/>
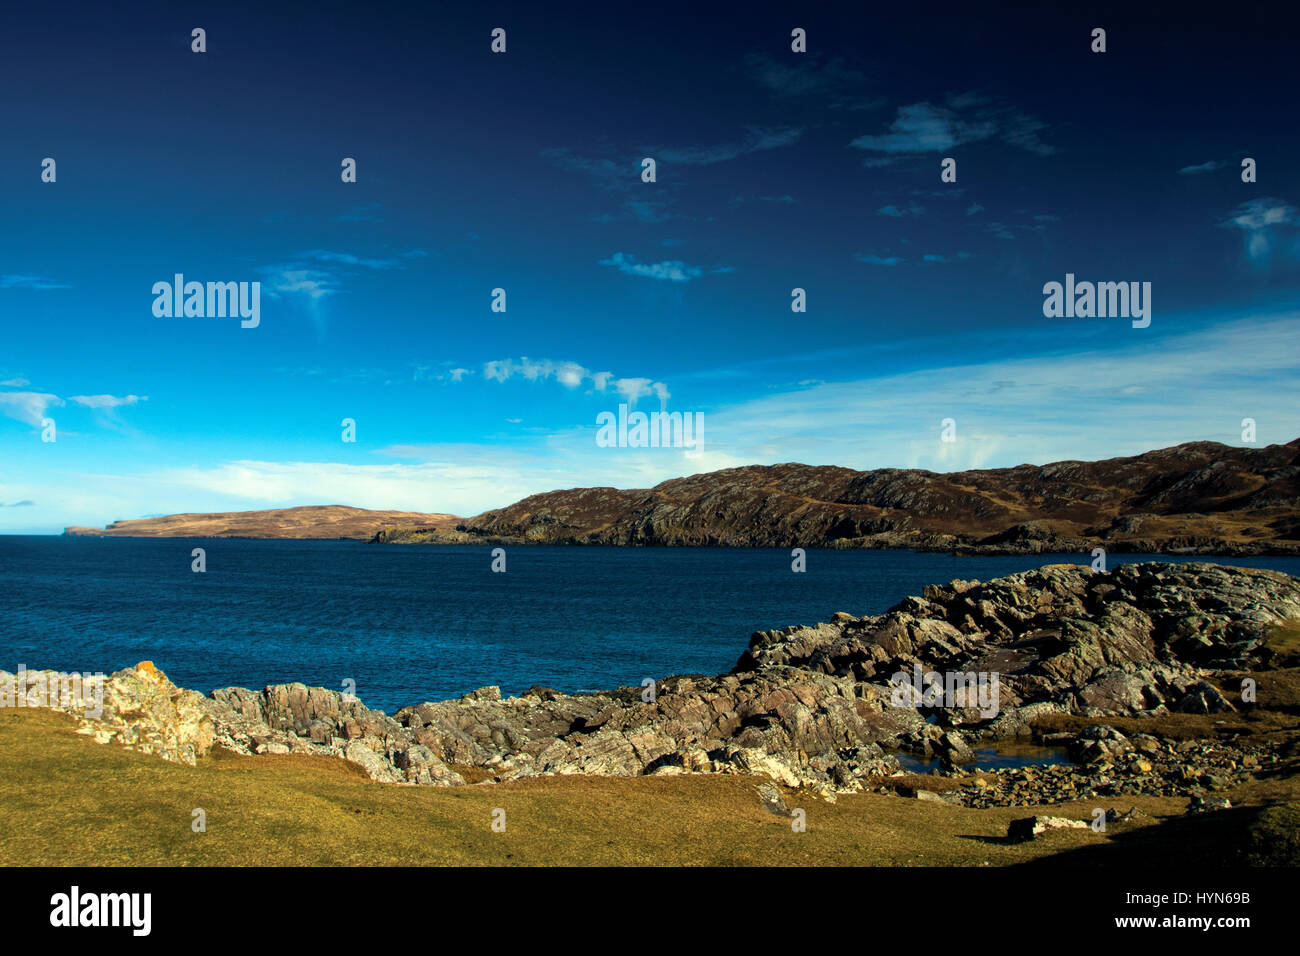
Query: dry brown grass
<point x="65" y="800"/>
<point x="1284" y="640"/>
<point x="1175" y="726"/>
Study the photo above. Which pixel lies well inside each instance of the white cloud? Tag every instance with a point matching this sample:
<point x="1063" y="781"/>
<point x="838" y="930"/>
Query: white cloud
<point x="27" y="407"/>
<point x="898" y="213"/>
<point x="756" y="139"/>
<point x="573" y="375"/>
<point x="106" y="401"/>
<point x="570" y="374"/>
<point x="1268" y="226"/>
<point x="966" y="118"/>
<point x="1097" y="404"/>
<point x="670" y="271"/>
<point x="347" y="259"/>
<point x="30" y="282"/>
<point x="1209" y="167"/>
<point x="309" y="282"/>
<point x="31" y="407"/>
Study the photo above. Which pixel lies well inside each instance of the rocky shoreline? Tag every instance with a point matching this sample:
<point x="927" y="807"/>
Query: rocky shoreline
<point x="1162" y="650"/>
<point x="1022" y="540"/>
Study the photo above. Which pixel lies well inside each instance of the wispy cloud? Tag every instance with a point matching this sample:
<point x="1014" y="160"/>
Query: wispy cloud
<point x="833" y="83"/>
<point x="566" y="373"/>
<point x="106" y="401"/>
<point x="648" y="210"/>
<point x="30" y="282"/>
<point x="755" y="140"/>
<point x="1209" y="167"/>
<point x="609" y="173"/>
<point x="304" y="276"/>
<point x="31" y="407"/>
<point x="782" y="200"/>
<point x="574" y="375"/>
<point x="347" y="259"/>
<point x="1013" y="411"/>
<point x="624" y="173"/>
<point x="932" y="258"/>
<point x="27" y="407"/>
<point x="672" y="270"/>
<point x="897" y="212"/>
<point x="293" y="279"/>
<point x="924" y="127"/>
<point x="366" y="212"/>
<point x="1268" y="227"/>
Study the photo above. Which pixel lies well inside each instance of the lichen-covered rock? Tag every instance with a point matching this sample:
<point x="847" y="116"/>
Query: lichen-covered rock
<point x="137" y="707"/>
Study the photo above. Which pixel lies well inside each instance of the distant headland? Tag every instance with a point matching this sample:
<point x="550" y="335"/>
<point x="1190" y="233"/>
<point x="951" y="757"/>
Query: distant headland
<point x="1194" y="498"/>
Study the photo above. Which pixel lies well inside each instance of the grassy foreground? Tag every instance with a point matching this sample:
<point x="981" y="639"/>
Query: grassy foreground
<point x="65" y="800"/>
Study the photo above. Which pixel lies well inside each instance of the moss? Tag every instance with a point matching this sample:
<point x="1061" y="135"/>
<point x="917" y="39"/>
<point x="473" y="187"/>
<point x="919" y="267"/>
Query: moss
<point x="1273" y="839"/>
<point x="1284" y="641"/>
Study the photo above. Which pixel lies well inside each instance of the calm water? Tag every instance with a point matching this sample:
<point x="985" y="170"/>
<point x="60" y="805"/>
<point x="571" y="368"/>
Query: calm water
<point x="1004" y="756"/>
<point x="425" y="623"/>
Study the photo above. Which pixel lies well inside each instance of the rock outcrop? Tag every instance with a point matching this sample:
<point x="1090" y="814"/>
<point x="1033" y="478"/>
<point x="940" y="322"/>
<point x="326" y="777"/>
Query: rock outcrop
<point x="137" y="707"/>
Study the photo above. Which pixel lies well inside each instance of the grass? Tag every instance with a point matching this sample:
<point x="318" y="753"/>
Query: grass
<point x="1186" y="726"/>
<point x="65" y="800"/>
<point x="1284" y="640"/>
<point x="1273" y="838"/>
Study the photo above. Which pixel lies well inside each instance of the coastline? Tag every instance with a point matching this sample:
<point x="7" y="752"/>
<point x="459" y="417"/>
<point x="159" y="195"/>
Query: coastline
<point x="938" y="544"/>
<point x="810" y="706"/>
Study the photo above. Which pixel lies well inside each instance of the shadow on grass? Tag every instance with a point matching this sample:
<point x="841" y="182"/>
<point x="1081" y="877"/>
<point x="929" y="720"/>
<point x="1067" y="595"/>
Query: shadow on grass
<point x="1242" y="836"/>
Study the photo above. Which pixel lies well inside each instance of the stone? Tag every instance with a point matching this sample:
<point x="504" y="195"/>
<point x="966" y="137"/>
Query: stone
<point x="773" y="801"/>
<point x="1030" y="828"/>
<point x="1203" y="804"/>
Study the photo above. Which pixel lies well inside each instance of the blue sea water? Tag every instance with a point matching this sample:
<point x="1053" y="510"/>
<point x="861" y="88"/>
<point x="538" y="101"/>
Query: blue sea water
<point x="415" y="623"/>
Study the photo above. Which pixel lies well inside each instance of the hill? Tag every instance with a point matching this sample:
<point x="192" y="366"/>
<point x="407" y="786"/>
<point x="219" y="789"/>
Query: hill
<point x="1199" y="497"/>
<point x="315" y="521"/>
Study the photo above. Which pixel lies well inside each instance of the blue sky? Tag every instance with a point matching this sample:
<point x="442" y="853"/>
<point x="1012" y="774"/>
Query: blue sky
<point x="521" y="171"/>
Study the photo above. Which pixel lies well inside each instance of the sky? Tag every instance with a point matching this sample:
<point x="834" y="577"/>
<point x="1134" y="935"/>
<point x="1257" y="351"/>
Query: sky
<point x="522" y="170"/>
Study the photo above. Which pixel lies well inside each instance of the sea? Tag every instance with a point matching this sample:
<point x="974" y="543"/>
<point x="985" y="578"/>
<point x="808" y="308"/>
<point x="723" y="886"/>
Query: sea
<point x="412" y="623"/>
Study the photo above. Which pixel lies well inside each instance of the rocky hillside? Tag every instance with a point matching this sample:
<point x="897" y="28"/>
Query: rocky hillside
<point x="816" y="706"/>
<point x="1200" y="497"/>
<point x="317" y="521"/>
